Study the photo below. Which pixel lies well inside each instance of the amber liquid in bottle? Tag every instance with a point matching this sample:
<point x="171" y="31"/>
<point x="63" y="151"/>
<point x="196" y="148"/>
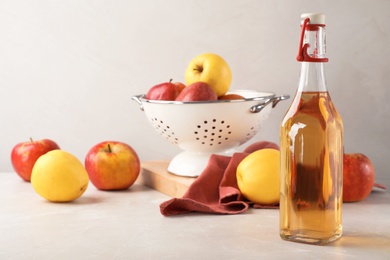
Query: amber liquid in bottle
<point x="311" y="149"/>
<point x="310" y="203"/>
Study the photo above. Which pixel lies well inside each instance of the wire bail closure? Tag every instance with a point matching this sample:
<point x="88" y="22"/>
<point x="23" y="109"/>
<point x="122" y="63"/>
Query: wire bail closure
<point x="302" y="51"/>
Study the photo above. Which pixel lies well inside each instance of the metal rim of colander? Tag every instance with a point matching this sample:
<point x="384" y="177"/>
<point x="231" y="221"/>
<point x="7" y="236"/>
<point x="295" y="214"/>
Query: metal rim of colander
<point x="267" y="95"/>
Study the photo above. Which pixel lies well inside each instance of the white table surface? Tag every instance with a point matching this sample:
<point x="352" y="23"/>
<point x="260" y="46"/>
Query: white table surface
<point x="128" y="225"/>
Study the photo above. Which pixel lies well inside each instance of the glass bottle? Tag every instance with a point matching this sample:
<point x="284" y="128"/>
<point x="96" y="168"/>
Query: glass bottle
<point x="311" y="145"/>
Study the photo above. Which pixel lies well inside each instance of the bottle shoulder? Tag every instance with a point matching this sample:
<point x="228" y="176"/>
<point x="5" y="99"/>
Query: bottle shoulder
<point x="312" y="108"/>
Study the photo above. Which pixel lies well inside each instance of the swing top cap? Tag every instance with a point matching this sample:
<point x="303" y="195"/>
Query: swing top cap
<point x="315" y="18"/>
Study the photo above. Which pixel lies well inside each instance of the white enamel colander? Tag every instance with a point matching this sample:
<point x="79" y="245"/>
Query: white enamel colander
<point x="207" y="127"/>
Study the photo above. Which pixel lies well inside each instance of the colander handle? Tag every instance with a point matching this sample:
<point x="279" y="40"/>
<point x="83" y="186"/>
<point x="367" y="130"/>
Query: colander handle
<point x="274" y="100"/>
<point x="137" y="98"/>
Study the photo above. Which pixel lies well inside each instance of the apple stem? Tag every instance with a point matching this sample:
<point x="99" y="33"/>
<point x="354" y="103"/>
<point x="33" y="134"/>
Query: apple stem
<point x="199" y="69"/>
<point x="109" y="148"/>
<point x="170" y="81"/>
<point x="31" y="140"/>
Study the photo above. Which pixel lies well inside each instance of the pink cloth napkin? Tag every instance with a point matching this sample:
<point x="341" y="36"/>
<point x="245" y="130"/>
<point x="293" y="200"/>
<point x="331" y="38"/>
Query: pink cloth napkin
<point x="216" y="190"/>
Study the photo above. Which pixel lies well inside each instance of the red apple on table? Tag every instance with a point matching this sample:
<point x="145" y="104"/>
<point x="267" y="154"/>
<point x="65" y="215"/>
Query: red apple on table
<point x="165" y="91"/>
<point x="25" y="154"/>
<point x="112" y="165"/>
<point x="198" y="91"/>
<point x="358" y="177"/>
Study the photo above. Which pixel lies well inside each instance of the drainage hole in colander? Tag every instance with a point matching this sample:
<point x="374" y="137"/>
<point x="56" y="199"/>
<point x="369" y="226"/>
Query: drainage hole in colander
<point x="212" y="132"/>
<point x="251" y="133"/>
<point x="164" y="130"/>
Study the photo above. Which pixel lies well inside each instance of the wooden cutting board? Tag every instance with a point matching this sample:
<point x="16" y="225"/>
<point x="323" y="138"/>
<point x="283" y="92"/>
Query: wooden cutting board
<point x="154" y="174"/>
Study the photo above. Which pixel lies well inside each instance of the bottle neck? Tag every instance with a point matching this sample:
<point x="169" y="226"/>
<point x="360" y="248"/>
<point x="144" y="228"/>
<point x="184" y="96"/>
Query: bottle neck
<point x="312" y="77"/>
<point x="312" y="56"/>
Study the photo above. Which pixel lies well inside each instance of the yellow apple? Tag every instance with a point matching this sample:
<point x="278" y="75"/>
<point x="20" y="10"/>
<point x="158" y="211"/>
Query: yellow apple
<point x="59" y="176"/>
<point x="258" y="176"/>
<point x="211" y="69"/>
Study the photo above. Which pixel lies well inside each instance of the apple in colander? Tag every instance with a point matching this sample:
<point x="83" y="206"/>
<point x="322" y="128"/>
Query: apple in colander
<point x="230" y="97"/>
<point x="165" y="91"/>
<point x="198" y="91"/>
<point x="212" y="69"/>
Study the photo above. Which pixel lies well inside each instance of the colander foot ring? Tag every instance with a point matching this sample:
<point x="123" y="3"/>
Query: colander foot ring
<point x="192" y="164"/>
<point x="188" y="164"/>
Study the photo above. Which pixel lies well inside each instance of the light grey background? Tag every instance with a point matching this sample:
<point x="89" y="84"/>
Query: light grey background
<point x="68" y="69"/>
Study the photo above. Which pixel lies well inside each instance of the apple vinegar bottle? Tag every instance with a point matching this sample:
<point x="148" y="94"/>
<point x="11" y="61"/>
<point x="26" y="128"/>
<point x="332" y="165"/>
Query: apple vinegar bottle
<point x="311" y="145"/>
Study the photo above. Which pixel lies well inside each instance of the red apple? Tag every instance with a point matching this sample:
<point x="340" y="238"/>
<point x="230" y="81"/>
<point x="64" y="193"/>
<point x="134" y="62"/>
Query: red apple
<point x="25" y="154"/>
<point x="112" y="165"/>
<point x="358" y="177"/>
<point x="165" y="91"/>
<point x="179" y="87"/>
<point x="230" y="97"/>
<point x="198" y="91"/>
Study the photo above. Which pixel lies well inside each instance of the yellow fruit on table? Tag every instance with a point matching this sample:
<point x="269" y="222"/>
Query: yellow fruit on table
<point x="258" y="176"/>
<point x="59" y="176"/>
<point x="211" y="69"/>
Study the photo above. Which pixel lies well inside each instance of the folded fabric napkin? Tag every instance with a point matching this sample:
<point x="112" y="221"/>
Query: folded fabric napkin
<point x="216" y="190"/>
